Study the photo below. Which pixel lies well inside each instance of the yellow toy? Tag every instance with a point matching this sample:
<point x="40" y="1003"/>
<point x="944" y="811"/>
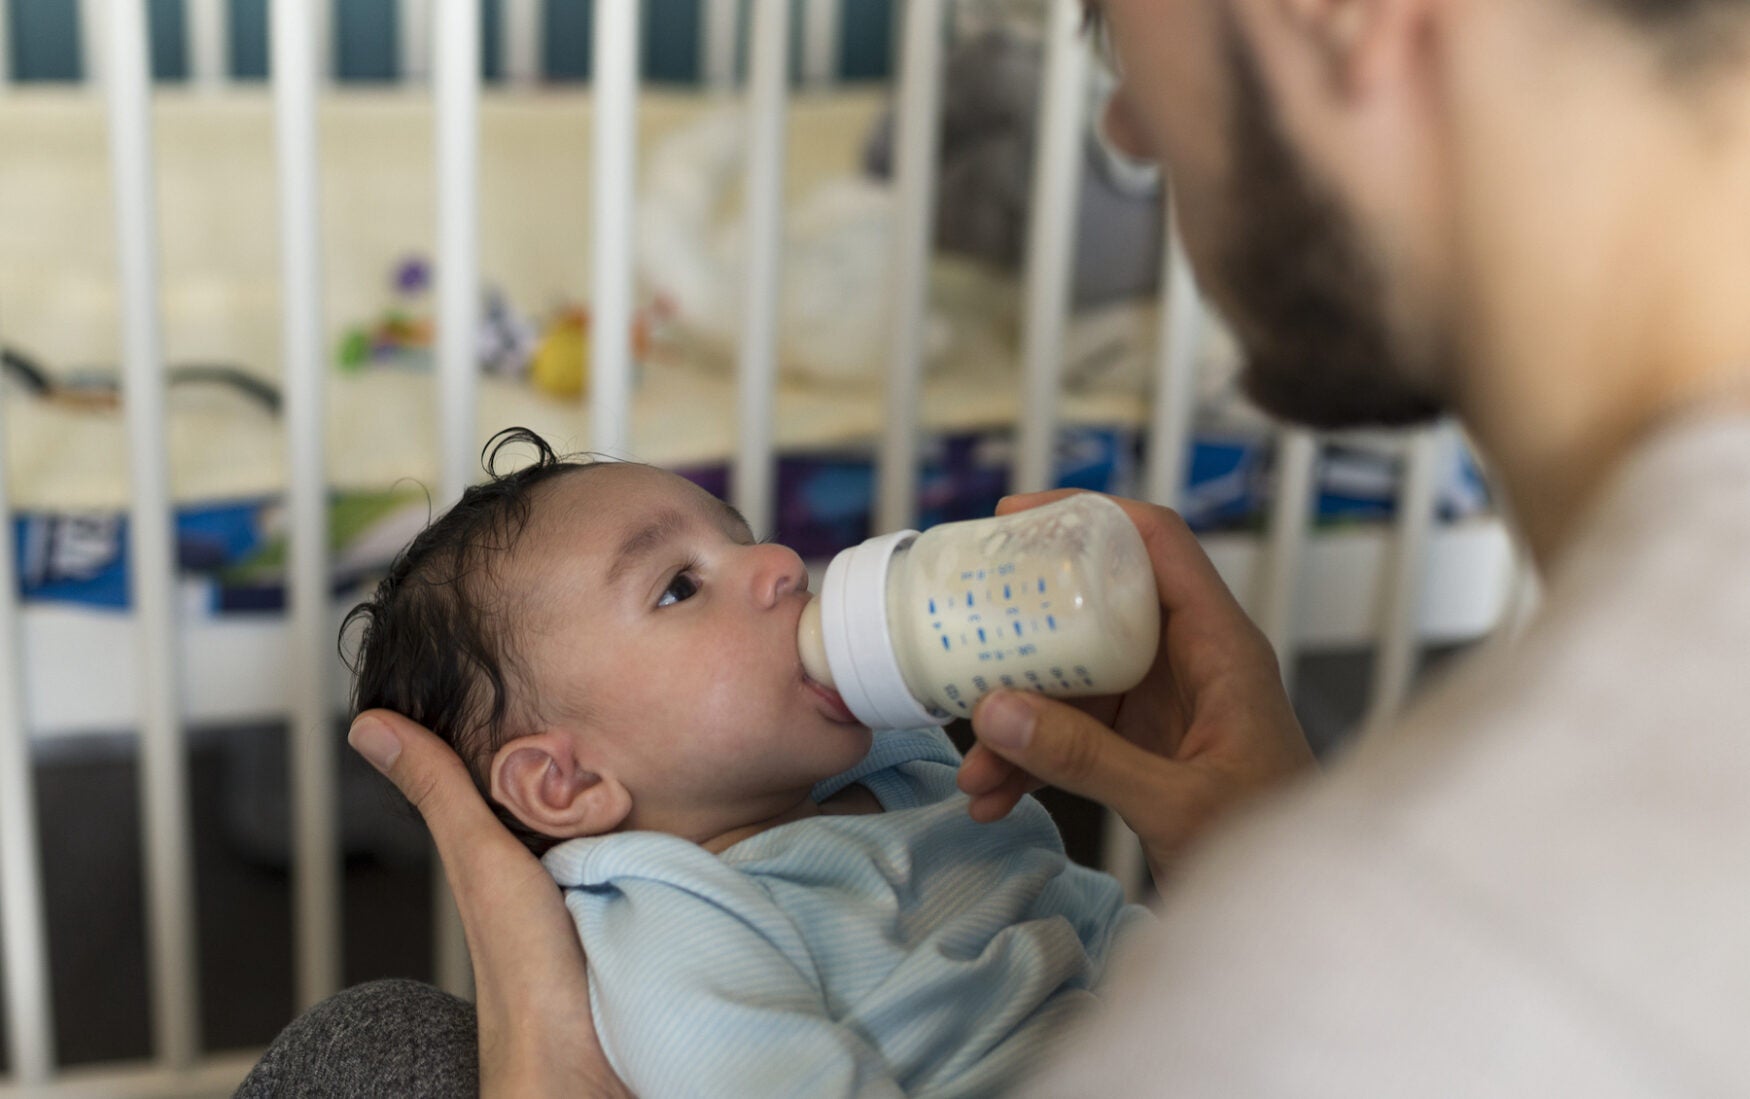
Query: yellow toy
<point x="560" y="367"/>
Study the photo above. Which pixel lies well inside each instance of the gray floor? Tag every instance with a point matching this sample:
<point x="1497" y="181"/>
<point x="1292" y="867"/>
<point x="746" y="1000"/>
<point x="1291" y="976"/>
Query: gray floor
<point x="89" y="812"/>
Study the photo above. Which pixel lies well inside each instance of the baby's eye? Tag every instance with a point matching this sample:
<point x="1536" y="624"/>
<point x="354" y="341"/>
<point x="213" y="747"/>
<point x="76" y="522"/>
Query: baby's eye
<point x="683" y="586"/>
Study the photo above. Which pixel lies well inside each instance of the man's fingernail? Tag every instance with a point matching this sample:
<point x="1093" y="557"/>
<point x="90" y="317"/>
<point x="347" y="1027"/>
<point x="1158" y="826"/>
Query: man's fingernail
<point x="373" y="740"/>
<point x="1005" y="721"/>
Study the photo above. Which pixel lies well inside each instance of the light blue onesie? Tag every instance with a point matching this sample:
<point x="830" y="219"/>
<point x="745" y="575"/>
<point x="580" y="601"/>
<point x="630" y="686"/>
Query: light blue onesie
<point x="910" y="952"/>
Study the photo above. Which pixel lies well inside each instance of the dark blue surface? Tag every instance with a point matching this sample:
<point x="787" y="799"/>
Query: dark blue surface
<point x="44" y="39"/>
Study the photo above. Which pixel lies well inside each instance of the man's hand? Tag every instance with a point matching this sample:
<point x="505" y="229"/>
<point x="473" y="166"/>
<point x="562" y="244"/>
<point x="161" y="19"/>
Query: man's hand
<point x="537" y="1036"/>
<point x="1209" y="725"/>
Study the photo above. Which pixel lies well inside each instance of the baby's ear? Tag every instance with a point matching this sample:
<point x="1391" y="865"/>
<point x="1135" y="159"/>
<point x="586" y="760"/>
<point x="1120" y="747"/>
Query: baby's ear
<point x="539" y="779"/>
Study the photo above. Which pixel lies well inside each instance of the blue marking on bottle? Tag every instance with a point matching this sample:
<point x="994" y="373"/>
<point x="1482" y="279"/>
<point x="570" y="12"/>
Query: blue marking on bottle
<point x="1050" y="622"/>
<point x="932" y="606"/>
<point x="963" y="705"/>
<point x="1017" y="629"/>
<point x="969" y="599"/>
<point x="1042" y="583"/>
<point x="981" y="633"/>
<point x="938" y="625"/>
<point x="1006" y="594"/>
<point x="945" y="642"/>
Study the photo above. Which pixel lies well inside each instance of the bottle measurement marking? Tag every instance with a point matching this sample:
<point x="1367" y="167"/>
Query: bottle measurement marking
<point x="961" y="633"/>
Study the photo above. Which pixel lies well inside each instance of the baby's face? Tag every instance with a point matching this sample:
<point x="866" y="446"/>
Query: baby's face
<point x="652" y="624"/>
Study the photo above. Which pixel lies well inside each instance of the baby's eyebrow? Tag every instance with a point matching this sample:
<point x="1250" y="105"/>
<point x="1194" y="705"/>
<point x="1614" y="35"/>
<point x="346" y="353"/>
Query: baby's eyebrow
<point x="665" y="525"/>
<point x="738" y="518"/>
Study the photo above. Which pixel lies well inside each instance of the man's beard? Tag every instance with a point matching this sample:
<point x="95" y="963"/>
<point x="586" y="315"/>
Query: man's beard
<point x="1306" y="299"/>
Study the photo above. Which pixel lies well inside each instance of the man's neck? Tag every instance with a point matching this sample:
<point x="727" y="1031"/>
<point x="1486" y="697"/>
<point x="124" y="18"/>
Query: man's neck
<point x="1609" y="292"/>
<point x="1553" y="472"/>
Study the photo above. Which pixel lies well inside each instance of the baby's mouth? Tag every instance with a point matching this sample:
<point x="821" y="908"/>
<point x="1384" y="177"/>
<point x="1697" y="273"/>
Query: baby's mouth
<point x="833" y="700"/>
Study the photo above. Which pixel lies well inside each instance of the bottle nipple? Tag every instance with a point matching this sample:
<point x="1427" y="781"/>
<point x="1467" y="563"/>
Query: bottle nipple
<point x="811" y="644"/>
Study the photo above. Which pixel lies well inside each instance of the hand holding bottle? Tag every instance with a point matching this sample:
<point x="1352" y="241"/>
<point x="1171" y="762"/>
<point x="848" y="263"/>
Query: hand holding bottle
<point x="1209" y="724"/>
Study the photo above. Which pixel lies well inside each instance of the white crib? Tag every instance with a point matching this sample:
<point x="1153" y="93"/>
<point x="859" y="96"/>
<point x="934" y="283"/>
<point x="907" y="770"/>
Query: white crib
<point x="1398" y="587"/>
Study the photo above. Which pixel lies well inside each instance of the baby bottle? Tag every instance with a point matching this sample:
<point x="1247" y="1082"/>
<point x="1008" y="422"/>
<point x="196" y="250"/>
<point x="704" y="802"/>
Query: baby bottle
<point x="913" y="629"/>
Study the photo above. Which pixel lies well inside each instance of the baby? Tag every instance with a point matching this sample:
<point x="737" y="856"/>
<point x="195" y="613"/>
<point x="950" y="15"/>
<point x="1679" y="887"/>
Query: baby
<point x="772" y="900"/>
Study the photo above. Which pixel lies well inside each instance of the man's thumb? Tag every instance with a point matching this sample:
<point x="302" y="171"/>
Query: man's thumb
<point x="421" y="766"/>
<point x="1066" y="748"/>
<point x="372" y="738"/>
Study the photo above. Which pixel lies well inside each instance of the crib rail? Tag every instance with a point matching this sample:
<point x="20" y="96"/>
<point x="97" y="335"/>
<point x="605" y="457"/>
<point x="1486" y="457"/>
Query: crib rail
<point x="916" y="129"/>
<point x="163" y="780"/>
<point x="316" y="885"/>
<point x="441" y="43"/>
<point x="23" y="937"/>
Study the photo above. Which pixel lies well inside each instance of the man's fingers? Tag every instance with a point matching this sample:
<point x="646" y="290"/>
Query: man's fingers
<point x="982" y="771"/>
<point x="1064" y="747"/>
<point x="1025" y="500"/>
<point x="993" y="785"/>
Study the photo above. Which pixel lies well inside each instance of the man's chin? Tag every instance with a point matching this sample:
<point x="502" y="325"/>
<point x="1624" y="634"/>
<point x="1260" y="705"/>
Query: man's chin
<point x="1305" y="394"/>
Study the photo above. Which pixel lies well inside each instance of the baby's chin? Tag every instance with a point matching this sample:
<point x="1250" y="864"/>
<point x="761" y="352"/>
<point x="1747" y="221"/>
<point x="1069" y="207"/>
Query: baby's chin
<point x="857" y="742"/>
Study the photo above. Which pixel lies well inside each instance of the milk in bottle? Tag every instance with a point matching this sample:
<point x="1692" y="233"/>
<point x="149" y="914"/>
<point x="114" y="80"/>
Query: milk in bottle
<point x="914" y="629"/>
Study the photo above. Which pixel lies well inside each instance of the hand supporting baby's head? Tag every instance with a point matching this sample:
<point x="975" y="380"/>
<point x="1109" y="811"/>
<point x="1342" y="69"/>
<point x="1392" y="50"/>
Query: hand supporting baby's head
<point x="436" y="643"/>
<point x="607" y="647"/>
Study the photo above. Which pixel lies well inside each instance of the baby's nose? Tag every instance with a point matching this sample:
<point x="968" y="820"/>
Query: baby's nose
<point x="779" y="572"/>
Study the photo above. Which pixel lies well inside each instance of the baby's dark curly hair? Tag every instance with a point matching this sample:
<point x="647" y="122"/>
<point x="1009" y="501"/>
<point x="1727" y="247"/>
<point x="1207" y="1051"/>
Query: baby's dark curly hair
<point x="435" y="644"/>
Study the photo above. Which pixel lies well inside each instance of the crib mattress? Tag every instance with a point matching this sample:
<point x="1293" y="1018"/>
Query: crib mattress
<point x="219" y="297"/>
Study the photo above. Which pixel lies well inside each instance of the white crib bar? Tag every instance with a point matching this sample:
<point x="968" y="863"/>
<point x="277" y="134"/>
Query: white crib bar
<point x="820" y="41"/>
<point x="1526" y="592"/>
<point x="24" y="949"/>
<point x="457" y="91"/>
<point x="1175" y="394"/>
<point x="325" y="63"/>
<point x="164" y="793"/>
<point x="1297" y="449"/>
<point x="1051" y="220"/>
<point x="413" y="41"/>
<point x="1394" y="665"/>
<point x="92" y="46"/>
<point x="615" y="106"/>
<point x="302" y="370"/>
<point x="1169" y="446"/>
<point x="719" y="21"/>
<point x="755" y="461"/>
<point x="207" y="25"/>
<point x="520" y="41"/>
<point x="917" y="129"/>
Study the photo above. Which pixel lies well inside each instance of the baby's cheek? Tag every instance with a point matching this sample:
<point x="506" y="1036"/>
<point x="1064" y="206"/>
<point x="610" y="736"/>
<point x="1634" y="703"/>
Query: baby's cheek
<point x="709" y="689"/>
